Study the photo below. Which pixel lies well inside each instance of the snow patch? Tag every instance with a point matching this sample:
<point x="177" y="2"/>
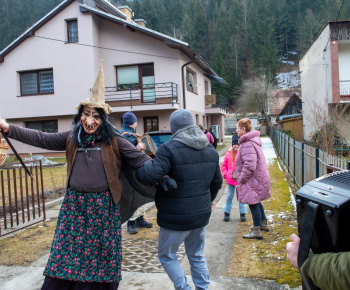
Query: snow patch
<point x="288" y="80"/>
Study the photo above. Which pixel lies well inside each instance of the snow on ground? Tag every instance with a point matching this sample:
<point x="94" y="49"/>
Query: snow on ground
<point x="288" y="80"/>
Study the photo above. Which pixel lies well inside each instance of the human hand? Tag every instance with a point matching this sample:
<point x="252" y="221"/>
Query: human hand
<point x="168" y="184"/>
<point x="293" y="249"/>
<point x="4" y="127"/>
<point x="141" y="146"/>
<point x="212" y="205"/>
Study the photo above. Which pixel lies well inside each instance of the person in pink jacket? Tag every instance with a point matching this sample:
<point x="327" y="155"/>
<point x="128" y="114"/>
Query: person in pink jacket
<point x="253" y="179"/>
<point x="208" y="134"/>
<point x="227" y="167"/>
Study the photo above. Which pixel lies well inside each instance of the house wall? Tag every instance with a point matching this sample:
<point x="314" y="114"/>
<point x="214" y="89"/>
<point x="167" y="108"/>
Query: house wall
<point x="316" y="82"/>
<point x="72" y="65"/>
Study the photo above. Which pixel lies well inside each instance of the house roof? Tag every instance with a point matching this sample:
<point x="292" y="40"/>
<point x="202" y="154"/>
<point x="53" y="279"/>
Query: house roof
<point x="116" y="16"/>
<point x="287" y="115"/>
<point x="279" y="98"/>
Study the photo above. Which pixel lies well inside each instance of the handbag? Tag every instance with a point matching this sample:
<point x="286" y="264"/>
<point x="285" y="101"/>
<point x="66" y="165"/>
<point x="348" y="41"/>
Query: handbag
<point x="234" y="177"/>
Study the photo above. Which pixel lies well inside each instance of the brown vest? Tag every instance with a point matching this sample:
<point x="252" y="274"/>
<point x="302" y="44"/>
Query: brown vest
<point x="111" y="160"/>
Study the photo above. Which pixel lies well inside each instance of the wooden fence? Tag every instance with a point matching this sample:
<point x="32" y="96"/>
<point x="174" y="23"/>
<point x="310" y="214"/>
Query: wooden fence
<point x="22" y="197"/>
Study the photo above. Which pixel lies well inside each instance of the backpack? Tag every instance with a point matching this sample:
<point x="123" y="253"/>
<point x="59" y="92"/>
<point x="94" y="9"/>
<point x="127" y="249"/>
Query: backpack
<point x="215" y="144"/>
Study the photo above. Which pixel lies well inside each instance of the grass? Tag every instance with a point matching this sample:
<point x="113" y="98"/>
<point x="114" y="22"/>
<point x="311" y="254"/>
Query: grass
<point x="219" y="147"/>
<point x="26" y="246"/>
<point x="266" y="259"/>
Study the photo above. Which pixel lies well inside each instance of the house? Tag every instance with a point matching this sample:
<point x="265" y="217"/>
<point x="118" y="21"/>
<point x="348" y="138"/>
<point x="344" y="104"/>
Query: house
<point x="278" y="99"/>
<point x="291" y="117"/>
<point x="325" y="79"/>
<point x="50" y="68"/>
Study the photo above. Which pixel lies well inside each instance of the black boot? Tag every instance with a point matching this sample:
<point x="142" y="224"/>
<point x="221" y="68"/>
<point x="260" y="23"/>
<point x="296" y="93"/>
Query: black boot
<point x="226" y="217"/>
<point x="142" y="223"/>
<point x="131" y="227"/>
<point x="243" y="218"/>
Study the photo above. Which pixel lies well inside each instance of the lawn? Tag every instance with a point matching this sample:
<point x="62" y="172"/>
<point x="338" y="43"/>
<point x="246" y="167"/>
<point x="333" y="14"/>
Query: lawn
<point x="266" y="259"/>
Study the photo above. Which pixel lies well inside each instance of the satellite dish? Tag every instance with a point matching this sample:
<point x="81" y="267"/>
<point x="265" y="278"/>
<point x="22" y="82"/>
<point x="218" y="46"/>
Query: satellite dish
<point x="190" y="81"/>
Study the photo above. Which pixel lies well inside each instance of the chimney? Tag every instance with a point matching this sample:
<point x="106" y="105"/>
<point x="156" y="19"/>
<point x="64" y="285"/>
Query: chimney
<point x="127" y="11"/>
<point x="140" y="22"/>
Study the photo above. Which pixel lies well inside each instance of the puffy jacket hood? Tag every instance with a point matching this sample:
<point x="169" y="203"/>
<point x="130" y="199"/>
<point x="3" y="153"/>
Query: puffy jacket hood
<point x="253" y="136"/>
<point x="192" y="137"/>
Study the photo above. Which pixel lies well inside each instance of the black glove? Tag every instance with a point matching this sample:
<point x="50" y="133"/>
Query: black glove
<point x="168" y="184"/>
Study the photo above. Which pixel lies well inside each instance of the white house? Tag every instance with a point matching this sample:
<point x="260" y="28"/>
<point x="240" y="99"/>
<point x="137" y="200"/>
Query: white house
<point x="325" y="79"/>
<point x="51" y="67"/>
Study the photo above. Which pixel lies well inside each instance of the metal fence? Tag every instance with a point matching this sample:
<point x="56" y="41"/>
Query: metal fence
<point x="22" y="197"/>
<point x="305" y="162"/>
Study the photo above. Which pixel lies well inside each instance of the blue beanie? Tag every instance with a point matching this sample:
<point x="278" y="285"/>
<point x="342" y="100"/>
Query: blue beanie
<point x="180" y="119"/>
<point x="129" y="118"/>
<point x="235" y="139"/>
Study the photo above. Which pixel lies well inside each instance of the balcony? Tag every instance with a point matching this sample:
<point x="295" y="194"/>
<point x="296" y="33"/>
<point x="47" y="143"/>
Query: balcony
<point x="136" y="95"/>
<point x="215" y="104"/>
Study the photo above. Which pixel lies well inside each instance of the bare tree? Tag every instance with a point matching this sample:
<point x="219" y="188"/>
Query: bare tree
<point x="254" y="97"/>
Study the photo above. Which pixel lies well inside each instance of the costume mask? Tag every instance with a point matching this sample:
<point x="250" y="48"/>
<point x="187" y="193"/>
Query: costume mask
<point x="90" y="119"/>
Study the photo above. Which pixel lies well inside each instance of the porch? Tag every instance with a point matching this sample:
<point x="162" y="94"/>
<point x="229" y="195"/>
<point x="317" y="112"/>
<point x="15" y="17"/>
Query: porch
<point x="136" y="95"/>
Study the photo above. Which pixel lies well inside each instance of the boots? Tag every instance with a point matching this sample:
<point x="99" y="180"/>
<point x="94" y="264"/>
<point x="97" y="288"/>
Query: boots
<point x="226" y="217"/>
<point x="254" y="234"/>
<point x="243" y="218"/>
<point x="131" y="227"/>
<point x="263" y="226"/>
<point x="142" y="223"/>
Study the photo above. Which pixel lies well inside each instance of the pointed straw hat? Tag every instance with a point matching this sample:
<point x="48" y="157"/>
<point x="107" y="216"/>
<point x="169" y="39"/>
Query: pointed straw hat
<point x="97" y="94"/>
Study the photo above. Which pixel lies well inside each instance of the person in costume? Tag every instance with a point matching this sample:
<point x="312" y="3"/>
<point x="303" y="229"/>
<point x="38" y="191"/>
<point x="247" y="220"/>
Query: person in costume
<point x="128" y="131"/>
<point x="86" y="252"/>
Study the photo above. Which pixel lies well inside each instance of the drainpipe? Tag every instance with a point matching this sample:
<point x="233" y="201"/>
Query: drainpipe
<point x="183" y="80"/>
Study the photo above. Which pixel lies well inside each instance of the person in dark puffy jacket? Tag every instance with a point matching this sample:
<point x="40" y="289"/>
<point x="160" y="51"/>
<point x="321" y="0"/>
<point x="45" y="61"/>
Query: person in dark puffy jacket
<point x="182" y="215"/>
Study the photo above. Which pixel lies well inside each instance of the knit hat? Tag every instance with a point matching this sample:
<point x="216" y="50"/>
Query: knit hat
<point x="129" y="118"/>
<point x="180" y="119"/>
<point x="235" y="139"/>
<point x="97" y="94"/>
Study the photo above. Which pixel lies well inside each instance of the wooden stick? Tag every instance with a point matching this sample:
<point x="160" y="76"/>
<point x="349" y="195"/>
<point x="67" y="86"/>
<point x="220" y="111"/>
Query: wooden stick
<point x="17" y="155"/>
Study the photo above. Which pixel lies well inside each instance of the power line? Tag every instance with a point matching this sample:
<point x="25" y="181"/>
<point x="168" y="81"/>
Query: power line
<point x="106" y="48"/>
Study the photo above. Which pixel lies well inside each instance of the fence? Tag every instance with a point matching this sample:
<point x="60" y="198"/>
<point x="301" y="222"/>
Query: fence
<point x="22" y="197"/>
<point x="305" y="162"/>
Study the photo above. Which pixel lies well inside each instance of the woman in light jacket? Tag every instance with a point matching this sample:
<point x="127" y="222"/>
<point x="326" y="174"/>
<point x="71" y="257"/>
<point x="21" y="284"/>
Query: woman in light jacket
<point x="227" y="167"/>
<point x="253" y="180"/>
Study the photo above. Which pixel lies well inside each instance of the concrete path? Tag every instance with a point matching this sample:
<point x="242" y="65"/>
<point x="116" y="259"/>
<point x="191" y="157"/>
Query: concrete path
<point x="220" y="237"/>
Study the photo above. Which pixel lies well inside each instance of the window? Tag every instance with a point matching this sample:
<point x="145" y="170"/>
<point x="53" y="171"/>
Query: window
<point x="150" y="124"/>
<point x="191" y="81"/>
<point x="43" y="126"/>
<point x="72" y="31"/>
<point x="37" y="82"/>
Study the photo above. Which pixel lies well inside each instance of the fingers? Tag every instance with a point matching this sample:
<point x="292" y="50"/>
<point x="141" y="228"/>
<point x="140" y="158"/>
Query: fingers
<point x="295" y="239"/>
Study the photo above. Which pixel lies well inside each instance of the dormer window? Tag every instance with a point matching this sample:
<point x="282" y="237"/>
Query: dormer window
<point x="72" y="31"/>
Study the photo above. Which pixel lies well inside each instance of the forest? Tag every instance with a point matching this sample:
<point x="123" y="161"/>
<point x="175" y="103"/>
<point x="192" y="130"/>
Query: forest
<point x="240" y="39"/>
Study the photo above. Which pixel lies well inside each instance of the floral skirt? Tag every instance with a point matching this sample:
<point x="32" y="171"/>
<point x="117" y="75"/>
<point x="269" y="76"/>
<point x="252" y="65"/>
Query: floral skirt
<point x="87" y="242"/>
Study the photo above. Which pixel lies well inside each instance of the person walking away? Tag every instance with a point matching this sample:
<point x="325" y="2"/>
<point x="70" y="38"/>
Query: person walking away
<point x="253" y="180"/>
<point x="208" y="134"/>
<point x="128" y="131"/>
<point x="183" y="214"/>
<point x="228" y="169"/>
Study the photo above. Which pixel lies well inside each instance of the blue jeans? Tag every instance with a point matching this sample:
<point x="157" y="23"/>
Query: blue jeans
<point x="243" y="208"/>
<point x="169" y="242"/>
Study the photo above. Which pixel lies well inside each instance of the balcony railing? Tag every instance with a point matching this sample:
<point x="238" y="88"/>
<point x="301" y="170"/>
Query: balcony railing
<point x="344" y="87"/>
<point x="220" y="103"/>
<point x="135" y="94"/>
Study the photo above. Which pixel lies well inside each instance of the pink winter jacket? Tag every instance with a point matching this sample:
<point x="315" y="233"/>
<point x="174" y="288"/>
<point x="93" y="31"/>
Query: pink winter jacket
<point x="252" y="174"/>
<point x="227" y="167"/>
<point x="209" y="136"/>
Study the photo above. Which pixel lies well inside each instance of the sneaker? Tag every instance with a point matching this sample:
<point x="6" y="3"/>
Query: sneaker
<point x="226" y="217"/>
<point x="131" y="227"/>
<point x="142" y="223"/>
<point x="243" y="218"/>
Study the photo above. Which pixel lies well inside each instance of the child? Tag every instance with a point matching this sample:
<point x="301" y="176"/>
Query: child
<point x="227" y="168"/>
